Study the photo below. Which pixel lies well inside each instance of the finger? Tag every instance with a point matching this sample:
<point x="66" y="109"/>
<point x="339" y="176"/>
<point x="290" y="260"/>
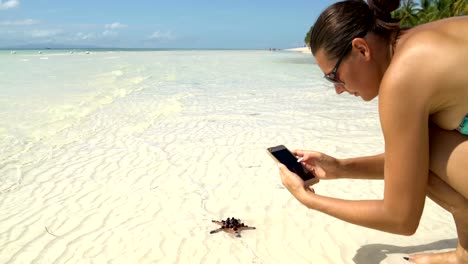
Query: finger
<point x="287" y="174"/>
<point x="298" y="152"/>
<point x="307" y="155"/>
<point x="311" y="189"/>
<point x="283" y="169"/>
<point x="313" y="155"/>
<point x="283" y="173"/>
<point x="308" y="166"/>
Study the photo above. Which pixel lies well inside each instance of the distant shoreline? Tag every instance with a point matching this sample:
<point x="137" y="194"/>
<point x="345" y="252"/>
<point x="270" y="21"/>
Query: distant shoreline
<point x="300" y="49"/>
<point x="122" y="49"/>
<point x="305" y="50"/>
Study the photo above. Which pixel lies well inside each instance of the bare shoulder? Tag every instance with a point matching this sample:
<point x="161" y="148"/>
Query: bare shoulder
<point x="441" y="38"/>
<point x="441" y="32"/>
<point x="410" y="69"/>
<point x="427" y="74"/>
<point x="429" y="60"/>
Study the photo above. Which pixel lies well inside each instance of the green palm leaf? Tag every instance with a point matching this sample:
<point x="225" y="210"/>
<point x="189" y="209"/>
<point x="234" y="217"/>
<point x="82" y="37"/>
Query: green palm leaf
<point x="460" y="7"/>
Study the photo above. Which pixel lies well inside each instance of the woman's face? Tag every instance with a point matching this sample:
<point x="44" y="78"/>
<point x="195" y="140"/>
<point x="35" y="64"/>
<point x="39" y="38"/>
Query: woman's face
<point x="358" y="71"/>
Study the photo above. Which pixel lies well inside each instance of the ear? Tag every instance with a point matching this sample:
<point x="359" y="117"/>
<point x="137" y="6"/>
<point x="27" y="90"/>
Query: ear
<point x="361" y="45"/>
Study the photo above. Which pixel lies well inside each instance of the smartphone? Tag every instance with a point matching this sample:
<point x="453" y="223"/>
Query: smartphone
<point x="282" y="155"/>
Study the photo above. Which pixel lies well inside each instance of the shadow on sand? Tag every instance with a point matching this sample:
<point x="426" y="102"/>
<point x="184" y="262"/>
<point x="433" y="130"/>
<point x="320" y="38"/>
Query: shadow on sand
<point x="375" y="253"/>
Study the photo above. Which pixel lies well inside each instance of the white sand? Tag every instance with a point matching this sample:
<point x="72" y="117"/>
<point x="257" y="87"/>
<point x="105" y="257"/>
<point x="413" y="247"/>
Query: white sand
<point x="140" y="182"/>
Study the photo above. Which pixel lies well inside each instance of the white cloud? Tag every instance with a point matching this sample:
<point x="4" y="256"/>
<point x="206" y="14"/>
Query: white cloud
<point x="158" y="35"/>
<point x="7" y="4"/>
<point x="109" y="33"/>
<point x="115" y="25"/>
<point x="111" y="29"/>
<point x="45" y="33"/>
<point x="84" y="36"/>
<point x="24" y="22"/>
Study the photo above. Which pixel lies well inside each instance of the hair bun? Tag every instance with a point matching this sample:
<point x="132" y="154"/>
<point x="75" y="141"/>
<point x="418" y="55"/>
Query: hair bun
<point x="382" y="7"/>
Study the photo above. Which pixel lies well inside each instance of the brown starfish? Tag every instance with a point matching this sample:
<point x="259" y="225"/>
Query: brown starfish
<point x="231" y="225"/>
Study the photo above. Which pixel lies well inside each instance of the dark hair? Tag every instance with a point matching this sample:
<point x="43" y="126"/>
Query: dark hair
<point x="343" y="21"/>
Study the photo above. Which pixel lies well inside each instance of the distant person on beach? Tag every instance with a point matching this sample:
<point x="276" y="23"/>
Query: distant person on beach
<point x="421" y="78"/>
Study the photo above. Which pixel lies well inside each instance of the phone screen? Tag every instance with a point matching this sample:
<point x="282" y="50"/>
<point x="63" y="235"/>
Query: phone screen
<point x="283" y="155"/>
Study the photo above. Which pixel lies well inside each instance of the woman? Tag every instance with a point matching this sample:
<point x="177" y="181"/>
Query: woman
<point x="421" y="78"/>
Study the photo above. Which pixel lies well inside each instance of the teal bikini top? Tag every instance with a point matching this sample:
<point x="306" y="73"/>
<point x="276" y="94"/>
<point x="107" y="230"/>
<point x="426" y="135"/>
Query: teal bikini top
<point x="463" y="127"/>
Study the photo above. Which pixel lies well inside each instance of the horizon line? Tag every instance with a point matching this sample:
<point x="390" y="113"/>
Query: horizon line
<point x="119" y="48"/>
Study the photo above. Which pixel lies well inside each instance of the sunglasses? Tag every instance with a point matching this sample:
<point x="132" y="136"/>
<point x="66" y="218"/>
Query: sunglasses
<point x="332" y="76"/>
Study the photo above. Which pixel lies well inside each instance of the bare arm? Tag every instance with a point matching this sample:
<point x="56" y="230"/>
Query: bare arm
<point x="404" y="113"/>
<point x="369" y="167"/>
<point x="327" y="167"/>
<point x="406" y="170"/>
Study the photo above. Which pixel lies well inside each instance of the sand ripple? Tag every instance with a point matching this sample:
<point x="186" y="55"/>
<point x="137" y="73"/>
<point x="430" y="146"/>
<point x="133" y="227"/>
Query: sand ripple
<point x="140" y="179"/>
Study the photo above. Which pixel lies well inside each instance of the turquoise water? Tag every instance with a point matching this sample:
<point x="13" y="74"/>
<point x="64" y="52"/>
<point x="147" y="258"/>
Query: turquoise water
<point x="44" y="93"/>
<point x="48" y="92"/>
<point x="51" y="98"/>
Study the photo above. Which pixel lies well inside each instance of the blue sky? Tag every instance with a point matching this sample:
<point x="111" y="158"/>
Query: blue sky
<point x="244" y="24"/>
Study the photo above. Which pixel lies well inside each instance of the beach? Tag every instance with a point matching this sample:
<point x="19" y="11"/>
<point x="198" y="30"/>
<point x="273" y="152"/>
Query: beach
<point x="305" y="50"/>
<point x="127" y="157"/>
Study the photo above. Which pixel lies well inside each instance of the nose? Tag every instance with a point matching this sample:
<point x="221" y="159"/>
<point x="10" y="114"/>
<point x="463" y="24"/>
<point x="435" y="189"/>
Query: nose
<point x="339" y="89"/>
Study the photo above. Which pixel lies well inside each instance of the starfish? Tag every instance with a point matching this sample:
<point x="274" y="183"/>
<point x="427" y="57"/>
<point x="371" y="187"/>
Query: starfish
<point x="232" y="226"/>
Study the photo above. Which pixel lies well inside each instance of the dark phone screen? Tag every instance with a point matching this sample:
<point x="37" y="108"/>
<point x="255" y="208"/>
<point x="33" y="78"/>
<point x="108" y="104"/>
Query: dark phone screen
<point x="288" y="159"/>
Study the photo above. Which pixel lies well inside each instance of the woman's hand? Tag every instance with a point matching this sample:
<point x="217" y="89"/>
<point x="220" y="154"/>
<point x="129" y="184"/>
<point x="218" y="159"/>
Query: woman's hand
<point x="321" y="165"/>
<point x="292" y="181"/>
